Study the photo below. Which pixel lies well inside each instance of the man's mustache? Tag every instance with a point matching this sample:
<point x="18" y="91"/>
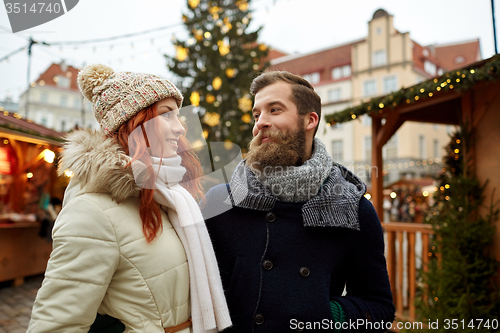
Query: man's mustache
<point x="274" y="136"/>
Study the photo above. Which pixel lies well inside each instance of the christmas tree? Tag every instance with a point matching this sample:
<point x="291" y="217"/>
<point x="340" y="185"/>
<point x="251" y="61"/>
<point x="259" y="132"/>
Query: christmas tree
<point x="216" y="66"/>
<point x="461" y="280"/>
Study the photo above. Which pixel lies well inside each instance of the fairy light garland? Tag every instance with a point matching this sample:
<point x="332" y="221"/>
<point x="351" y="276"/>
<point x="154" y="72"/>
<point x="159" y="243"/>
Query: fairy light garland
<point x="461" y="79"/>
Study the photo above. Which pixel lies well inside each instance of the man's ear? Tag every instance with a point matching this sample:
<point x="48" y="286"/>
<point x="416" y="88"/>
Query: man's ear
<point x="312" y="121"/>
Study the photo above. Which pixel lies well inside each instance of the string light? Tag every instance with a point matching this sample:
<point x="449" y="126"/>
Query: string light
<point x="246" y="118"/>
<point x="48" y="155"/>
<point x="193" y="3"/>
<point x="223" y="48"/>
<point x="211" y="119"/>
<point x="230" y="72"/>
<point x="195" y="98"/>
<point x="210" y="98"/>
<point x="245" y="104"/>
<point x="181" y="53"/>
<point x="217" y="83"/>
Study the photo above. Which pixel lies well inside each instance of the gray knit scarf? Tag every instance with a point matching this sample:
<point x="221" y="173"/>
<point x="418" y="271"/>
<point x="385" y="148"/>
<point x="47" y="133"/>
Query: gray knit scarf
<point x="336" y="203"/>
<point x="298" y="183"/>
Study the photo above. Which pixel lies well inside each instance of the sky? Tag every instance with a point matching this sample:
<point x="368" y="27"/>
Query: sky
<point x="291" y="26"/>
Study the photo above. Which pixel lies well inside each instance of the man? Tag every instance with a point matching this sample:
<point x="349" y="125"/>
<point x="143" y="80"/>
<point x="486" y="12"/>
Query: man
<point x="299" y="230"/>
<point x="292" y="230"/>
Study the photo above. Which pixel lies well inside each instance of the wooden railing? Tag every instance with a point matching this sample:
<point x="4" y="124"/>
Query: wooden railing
<point x="407" y="248"/>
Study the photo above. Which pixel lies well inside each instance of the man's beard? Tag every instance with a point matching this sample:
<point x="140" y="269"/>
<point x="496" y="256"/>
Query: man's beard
<point x="280" y="150"/>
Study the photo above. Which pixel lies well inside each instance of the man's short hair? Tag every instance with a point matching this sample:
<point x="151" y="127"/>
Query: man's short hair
<point x="303" y="95"/>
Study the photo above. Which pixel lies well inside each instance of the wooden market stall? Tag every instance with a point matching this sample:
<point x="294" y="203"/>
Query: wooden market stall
<point x="467" y="97"/>
<point x="28" y="158"/>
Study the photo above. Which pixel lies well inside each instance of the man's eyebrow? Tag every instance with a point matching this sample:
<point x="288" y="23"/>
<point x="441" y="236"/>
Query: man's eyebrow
<point x="271" y="104"/>
<point x="274" y="103"/>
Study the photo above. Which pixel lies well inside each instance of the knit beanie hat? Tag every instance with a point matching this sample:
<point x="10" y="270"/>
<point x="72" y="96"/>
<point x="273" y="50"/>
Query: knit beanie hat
<point x="117" y="97"/>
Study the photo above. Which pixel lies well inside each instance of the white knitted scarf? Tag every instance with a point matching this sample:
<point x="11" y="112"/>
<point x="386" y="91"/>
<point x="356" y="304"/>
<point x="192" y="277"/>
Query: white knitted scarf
<point x="209" y="310"/>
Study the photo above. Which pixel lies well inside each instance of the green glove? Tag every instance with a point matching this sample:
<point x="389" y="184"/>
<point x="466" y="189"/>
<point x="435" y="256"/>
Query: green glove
<point x="338" y="314"/>
<point x="106" y="324"/>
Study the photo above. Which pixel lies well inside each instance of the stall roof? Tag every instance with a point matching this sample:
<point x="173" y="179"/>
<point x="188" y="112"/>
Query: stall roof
<point x="13" y="126"/>
<point x="440" y="96"/>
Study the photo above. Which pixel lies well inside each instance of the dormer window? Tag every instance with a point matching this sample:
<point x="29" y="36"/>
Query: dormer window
<point x="313" y="78"/>
<point x="430" y="68"/>
<point x="62" y="81"/>
<point x="340" y="72"/>
<point x="459" y="60"/>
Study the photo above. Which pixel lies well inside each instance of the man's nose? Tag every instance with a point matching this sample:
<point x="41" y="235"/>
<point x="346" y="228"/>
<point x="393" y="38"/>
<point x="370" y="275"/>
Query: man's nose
<point x="263" y="122"/>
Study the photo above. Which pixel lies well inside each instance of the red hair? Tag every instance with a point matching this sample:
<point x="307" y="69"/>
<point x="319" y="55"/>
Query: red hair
<point x="149" y="209"/>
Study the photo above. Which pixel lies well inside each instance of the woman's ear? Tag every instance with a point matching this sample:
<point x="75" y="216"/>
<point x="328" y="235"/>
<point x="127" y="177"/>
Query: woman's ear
<point x="312" y="121"/>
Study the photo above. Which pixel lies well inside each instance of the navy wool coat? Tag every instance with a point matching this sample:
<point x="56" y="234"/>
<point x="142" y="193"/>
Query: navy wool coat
<point x="280" y="276"/>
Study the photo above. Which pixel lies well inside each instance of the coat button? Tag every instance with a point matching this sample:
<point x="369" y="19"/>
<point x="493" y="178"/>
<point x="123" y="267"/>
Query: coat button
<point x="259" y="319"/>
<point x="270" y="217"/>
<point x="304" y="271"/>
<point x="267" y="264"/>
<point x="368" y="316"/>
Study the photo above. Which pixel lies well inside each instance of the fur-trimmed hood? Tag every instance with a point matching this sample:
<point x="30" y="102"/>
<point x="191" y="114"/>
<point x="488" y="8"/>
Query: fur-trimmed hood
<point x="98" y="165"/>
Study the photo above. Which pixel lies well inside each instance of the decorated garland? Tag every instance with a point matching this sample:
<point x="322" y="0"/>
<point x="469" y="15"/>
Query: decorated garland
<point x="461" y="79"/>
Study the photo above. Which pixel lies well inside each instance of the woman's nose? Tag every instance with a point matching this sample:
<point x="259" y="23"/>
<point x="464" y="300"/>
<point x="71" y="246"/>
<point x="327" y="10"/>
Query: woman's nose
<point x="178" y="128"/>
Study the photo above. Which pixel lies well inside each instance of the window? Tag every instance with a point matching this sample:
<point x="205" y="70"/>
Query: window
<point x="459" y="60"/>
<point x="44" y="121"/>
<point x="63" y="126"/>
<point x="346" y="70"/>
<point x="440" y="71"/>
<point x="76" y="103"/>
<point x="337" y="73"/>
<point x="390" y="150"/>
<point x="337" y="126"/>
<point x="312" y="78"/>
<point x="368" y="148"/>
<point x="379" y="58"/>
<point x="369" y="88"/>
<point x="390" y="84"/>
<point x="421" y="147"/>
<point x="334" y="95"/>
<point x="367" y="120"/>
<point x="430" y="68"/>
<point x="44" y="98"/>
<point x="337" y="151"/>
<point x="62" y="81"/>
<point x="64" y="101"/>
<point x="437" y="152"/>
<point x="340" y="72"/>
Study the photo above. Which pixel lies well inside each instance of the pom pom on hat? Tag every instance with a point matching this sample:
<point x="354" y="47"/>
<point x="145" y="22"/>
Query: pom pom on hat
<point x="91" y="77"/>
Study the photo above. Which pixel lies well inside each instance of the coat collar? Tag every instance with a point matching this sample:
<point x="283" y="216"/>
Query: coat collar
<point x="98" y="164"/>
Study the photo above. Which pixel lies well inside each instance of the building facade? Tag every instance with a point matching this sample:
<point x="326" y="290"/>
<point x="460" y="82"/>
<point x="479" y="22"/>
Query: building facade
<point x="385" y="61"/>
<point x="55" y="101"/>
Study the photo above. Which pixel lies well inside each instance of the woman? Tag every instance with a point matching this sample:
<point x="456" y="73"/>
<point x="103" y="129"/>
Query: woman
<point x="130" y="242"/>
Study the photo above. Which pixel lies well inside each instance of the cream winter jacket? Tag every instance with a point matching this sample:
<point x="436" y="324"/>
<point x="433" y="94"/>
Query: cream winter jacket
<point x="101" y="261"/>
